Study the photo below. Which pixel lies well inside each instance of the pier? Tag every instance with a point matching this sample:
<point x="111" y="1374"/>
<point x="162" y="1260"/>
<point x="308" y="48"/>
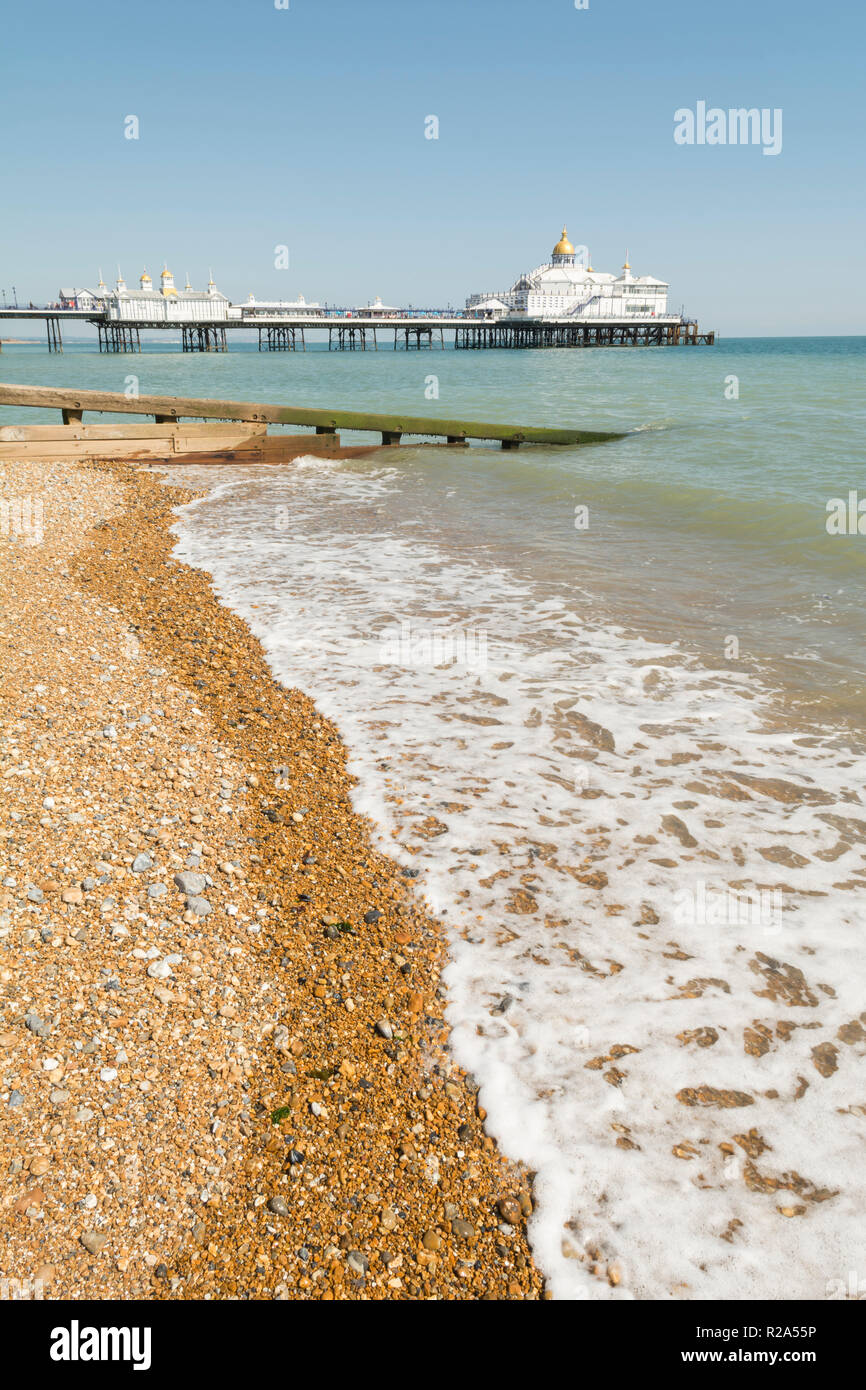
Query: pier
<point x="248" y="440"/>
<point x="347" y="331"/>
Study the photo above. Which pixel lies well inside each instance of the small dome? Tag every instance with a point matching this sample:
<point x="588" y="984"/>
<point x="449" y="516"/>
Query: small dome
<point x="563" y="247"/>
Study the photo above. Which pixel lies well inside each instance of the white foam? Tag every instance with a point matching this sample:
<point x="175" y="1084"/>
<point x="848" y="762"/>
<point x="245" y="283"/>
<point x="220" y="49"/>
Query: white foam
<point x="605" y="737"/>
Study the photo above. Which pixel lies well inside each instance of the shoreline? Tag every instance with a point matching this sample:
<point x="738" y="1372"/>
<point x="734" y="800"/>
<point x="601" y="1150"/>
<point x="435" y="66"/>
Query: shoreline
<point x="266" y="1108"/>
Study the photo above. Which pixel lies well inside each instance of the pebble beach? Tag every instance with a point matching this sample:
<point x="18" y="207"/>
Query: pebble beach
<point x="225" y="1070"/>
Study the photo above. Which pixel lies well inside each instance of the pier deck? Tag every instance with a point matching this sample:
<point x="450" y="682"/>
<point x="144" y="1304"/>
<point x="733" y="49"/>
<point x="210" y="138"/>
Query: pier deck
<point x="350" y="332"/>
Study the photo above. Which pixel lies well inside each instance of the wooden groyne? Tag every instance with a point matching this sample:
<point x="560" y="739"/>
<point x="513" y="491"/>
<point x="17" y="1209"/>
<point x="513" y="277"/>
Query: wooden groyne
<point x="170" y="436"/>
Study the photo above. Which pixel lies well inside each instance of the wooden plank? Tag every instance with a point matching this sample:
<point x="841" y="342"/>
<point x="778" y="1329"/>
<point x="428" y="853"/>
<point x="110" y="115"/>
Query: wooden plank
<point x="177" y="442"/>
<point x="175" y="406"/>
<point x="277" y="448"/>
<point x="131" y="430"/>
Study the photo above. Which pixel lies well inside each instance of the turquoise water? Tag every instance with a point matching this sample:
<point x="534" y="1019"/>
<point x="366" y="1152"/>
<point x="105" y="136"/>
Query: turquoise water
<point x="708" y="524"/>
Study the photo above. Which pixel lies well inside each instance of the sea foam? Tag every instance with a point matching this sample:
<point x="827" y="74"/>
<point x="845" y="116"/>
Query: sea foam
<point x="651" y="877"/>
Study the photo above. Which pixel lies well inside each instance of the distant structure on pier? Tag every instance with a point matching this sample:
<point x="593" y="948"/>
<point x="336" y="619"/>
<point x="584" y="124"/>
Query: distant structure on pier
<point x="165" y="305"/>
<point x="269" y="308"/>
<point x="567" y="287"/>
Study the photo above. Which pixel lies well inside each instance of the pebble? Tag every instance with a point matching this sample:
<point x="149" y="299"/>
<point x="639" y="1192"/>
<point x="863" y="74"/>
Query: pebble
<point x="141" y="863"/>
<point x="94" y="1241"/>
<point x="509" y="1210"/>
<point x="464" y="1230"/>
<point x="358" y="1262"/>
<point x="108" y="1074"/>
<point x="72" y="896"/>
<point x="159" y="970"/>
<point x="384" y="1029"/>
<point x="200" y="906"/>
<point x="190" y="883"/>
<point x="279" y="1206"/>
<point x="373" y="915"/>
<point x="34" y="894"/>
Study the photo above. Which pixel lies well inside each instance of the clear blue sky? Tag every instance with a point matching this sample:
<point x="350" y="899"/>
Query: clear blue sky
<point x="305" y="127"/>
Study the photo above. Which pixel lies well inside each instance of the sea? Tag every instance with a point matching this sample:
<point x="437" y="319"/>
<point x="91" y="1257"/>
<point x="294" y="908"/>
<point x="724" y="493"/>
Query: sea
<point x="609" y="702"/>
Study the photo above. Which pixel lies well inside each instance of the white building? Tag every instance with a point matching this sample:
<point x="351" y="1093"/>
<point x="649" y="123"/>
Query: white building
<point x="276" y="308"/>
<point x="82" y="299"/>
<point x="567" y="287"/>
<point x="145" y="304"/>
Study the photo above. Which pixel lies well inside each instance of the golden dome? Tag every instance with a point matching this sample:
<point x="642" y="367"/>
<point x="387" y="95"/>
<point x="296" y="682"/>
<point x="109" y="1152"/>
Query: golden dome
<point x="563" y="247"/>
<point x="166" y="274"/>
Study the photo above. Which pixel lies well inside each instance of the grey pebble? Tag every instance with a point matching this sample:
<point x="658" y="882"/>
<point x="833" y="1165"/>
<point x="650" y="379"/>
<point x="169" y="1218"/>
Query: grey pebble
<point x="200" y="906"/>
<point x="141" y="863"/>
<point x="189" y="882"/>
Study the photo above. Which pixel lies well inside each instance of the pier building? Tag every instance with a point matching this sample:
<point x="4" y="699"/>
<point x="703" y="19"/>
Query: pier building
<point x="567" y="287"/>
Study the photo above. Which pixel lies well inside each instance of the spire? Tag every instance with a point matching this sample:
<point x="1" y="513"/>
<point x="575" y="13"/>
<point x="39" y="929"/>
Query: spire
<point x="563" y="247"/>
